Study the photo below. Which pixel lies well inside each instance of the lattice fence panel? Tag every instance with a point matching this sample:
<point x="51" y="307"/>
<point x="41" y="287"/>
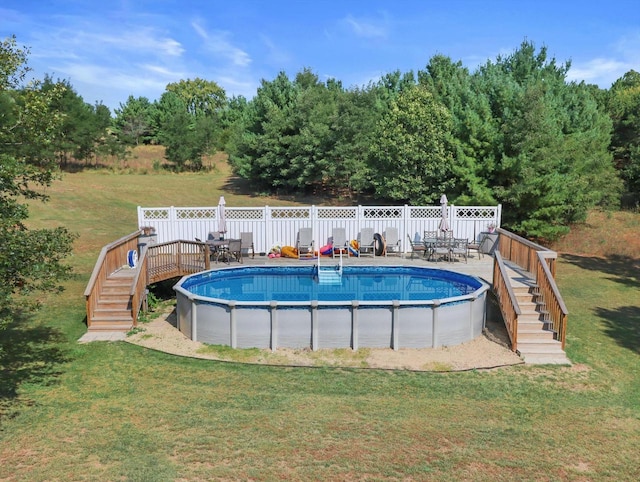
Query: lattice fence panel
<point x="196" y="213"/>
<point x="150" y="214"/>
<point x="290" y="213"/>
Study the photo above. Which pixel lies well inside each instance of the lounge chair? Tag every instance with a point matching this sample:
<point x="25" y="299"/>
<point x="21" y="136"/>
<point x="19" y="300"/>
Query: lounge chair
<point x="304" y="243"/>
<point x="339" y="242"/>
<point x="392" y="241"/>
<point x="417" y="246"/>
<point x="246" y="240"/>
<point x="366" y="242"/>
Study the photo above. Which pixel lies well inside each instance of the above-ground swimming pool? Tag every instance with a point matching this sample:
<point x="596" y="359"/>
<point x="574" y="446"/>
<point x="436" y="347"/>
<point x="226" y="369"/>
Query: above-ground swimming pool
<point x="299" y="307"/>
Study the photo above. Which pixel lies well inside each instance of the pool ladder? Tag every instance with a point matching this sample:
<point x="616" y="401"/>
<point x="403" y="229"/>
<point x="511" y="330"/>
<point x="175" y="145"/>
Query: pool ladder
<point x="330" y="275"/>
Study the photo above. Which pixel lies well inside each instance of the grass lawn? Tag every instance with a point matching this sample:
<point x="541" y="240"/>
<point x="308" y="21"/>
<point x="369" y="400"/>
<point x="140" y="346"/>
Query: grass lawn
<point x="114" y="411"/>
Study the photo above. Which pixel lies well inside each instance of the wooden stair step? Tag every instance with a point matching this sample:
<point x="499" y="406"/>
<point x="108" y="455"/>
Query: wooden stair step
<point x="535" y="335"/>
<point x="116" y="290"/>
<point x="111" y="326"/>
<point x="113" y="305"/>
<point x="122" y="313"/>
<point x="540" y="346"/>
<point x="107" y="318"/>
<point x="113" y="298"/>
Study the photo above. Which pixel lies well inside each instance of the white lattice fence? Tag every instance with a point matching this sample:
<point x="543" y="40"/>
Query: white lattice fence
<point x="279" y="225"/>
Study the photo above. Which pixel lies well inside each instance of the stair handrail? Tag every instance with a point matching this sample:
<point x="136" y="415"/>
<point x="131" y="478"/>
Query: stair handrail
<point x="552" y="298"/>
<point x="507" y="300"/>
<point x="102" y="258"/>
<point x="139" y="285"/>
<point x="112" y="257"/>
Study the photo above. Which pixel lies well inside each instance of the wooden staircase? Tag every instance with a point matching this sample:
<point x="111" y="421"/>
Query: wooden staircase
<point x="113" y="311"/>
<point x="537" y="343"/>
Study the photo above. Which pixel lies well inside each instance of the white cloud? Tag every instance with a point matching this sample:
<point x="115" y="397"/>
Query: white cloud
<point x="217" y="42"/>
<point x="367" y="28"/>
<point x="275" y="55"/>
<point x="600" y="71"/>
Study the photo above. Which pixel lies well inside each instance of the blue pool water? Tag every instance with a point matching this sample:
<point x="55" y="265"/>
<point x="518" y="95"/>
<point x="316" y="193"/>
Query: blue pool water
<point x="362" y="283"/>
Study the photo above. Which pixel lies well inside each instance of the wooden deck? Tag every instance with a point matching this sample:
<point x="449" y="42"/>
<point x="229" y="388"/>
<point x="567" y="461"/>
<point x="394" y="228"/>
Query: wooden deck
<point x="532" y="332"/>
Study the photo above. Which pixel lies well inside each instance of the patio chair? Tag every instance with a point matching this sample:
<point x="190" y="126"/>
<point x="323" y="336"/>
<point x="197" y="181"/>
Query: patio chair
<point x="304" y="243"/>
<point x="204" y="248"/>
<point x="429" y="239"/>
<point x="366" y="242"/>
<point x="339" y="241"/>
<point x="476" y="245"/>
<point x="417" y="246"/>
<point x="459" y="247"/>
<point x="246" y="240"/>
<point x="442" y="248"/>
<point x="392" y="241"/>
<point x="234" y="251"/>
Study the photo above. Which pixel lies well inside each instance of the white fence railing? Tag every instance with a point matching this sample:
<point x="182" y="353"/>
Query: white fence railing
<point x="273" y="226"/>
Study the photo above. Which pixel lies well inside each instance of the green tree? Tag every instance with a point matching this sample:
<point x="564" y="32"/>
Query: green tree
<point x="411" y="152"/>
<point x="186" y="138"/>
<point x="84" y="127"/>
<point x="474" y="133"/>
<point x="552" y="140"/>
<point x="624" y="108"/>
<point x="26" y="114"/>
<point x="200" y="97"/>
<point x="133" y="122"/>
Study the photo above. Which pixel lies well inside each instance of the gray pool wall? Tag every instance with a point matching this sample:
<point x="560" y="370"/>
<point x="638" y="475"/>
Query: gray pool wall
<point x="323" y="324"/>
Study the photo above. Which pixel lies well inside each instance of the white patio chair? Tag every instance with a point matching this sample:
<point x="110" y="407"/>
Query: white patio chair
<point x="392" y="241"/>
<point x="304" y="243"/>
<point x="339" y="242"/>
<point x="366" y="242"/>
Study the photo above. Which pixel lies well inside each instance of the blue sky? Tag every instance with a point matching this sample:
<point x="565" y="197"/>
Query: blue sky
<point x="109" y="50"/>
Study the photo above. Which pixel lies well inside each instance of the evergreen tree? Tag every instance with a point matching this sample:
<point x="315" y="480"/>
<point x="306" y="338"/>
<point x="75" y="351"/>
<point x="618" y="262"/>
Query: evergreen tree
<point x="25" y="169"/>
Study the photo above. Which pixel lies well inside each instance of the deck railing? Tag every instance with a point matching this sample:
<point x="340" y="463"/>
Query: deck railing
<point x="506" y="298"/>
<point x="176" y="258"/>
<point x="540" y="262"/>
<point x="523" y="252"/>
<point x="112" y="257"/>
<point x="554" y="303"/>
<point x="139" y="285"/>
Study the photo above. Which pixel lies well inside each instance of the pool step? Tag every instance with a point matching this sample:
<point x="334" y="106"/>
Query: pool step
<point x="329" y="276"/>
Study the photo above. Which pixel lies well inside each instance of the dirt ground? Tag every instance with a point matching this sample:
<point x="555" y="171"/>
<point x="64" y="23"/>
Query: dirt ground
<point x="485" y="352"/>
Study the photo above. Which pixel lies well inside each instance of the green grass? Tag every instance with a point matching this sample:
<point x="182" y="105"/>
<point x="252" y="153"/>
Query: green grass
<point x="115" y="411"/>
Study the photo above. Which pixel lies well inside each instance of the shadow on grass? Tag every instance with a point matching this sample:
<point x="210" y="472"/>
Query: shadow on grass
<point x="623" y="269"/>
<point x="623" y="325"/>
<point x="29" y="353"/>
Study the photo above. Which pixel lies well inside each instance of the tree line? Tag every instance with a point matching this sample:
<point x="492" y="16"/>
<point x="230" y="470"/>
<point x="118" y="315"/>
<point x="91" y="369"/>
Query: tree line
<point x="514" y="131"/>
